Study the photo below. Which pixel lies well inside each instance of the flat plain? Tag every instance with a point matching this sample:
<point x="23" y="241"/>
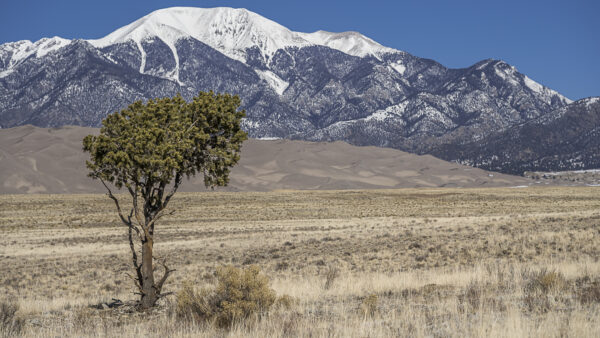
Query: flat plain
<point x="501" y="262"/>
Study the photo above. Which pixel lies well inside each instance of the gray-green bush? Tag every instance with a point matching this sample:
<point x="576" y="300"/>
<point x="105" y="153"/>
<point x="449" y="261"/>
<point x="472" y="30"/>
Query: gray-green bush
<point x="238" y="295"/>
<point x="11" y="324"/>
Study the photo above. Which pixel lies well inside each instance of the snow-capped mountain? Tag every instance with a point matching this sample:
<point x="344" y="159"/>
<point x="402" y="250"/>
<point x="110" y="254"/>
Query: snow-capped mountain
<point x="232" y="32"/>
<point x="314" y="86"/>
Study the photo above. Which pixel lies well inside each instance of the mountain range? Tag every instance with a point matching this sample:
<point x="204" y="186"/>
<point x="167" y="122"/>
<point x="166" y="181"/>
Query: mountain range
<point x="319" y="86"/>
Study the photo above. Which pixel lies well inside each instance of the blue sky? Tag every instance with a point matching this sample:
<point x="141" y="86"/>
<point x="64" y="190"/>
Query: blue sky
<point x="556" y="43"/>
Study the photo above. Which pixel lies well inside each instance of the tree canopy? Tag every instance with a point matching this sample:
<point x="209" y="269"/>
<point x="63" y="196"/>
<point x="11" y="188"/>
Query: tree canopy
<point x="151" y="144"/>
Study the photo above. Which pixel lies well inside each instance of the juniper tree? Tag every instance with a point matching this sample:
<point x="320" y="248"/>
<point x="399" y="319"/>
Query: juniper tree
<point x="148" y="149"/>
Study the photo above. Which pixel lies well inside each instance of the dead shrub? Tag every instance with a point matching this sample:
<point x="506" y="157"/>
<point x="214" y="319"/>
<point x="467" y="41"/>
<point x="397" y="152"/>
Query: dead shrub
<point x="239" y="294"/>
<point x="478" y="295"/>
<point x="544" y="290"/>
<point x="588" y="289"/>
<point x="285" y="302"/>
<point x="471" y="297"/>
<point x="281" y="266"/>
<point x="11" y="324"/>
<point x="290" y="324"/>
<point x="83" y="319"/>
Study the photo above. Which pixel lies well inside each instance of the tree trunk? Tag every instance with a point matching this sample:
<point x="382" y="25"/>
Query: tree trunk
<point x="149" y="292"/>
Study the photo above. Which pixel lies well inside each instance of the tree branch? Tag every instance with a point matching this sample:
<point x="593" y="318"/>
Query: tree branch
<point x="134" y="197"/>
<point x="110" y="194"/>
<point x="159" y="216"/>
<point x="162" y="295"/>
<point x="137" y="283"/>
<point x="137" y="231"/>
<point x="159" y="196"/>
<point x="178" y="179"/>
<point x="168" y="271"/>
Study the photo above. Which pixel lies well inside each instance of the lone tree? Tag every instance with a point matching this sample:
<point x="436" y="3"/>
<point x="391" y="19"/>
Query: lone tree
<point x="148" y="149"/>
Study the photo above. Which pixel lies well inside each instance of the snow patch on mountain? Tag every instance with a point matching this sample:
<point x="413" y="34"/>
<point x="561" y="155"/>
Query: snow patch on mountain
<point x="172" y="74"/>
<point x="379" y="115"/>
<point x="543" y="91"/>
<point x="484" y="64"/>
<point x="591" y="100"/>
<point x="399" y="67"/>
<point x="536" y="87"/>
<point x="391" y="111"/>
<point x="273" y="80"/>
<point x="352" y="43"/>
<point x="143" y="56"/>
<point x="506" y="72"/>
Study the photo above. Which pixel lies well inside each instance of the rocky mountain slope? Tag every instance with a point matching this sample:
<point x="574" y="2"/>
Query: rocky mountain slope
<point x="566" y="139"/>
<point x="317" y="86"/>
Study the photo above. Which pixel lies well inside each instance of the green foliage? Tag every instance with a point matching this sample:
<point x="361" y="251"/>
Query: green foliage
<point x="239" y="294"/>
<point x="150" y="144"/>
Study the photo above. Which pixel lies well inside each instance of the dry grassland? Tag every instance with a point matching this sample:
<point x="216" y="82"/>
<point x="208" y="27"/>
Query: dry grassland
<point x="433" y="262"/>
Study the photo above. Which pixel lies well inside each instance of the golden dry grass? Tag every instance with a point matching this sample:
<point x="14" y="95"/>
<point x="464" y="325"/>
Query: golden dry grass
<point x="433" y="262"/>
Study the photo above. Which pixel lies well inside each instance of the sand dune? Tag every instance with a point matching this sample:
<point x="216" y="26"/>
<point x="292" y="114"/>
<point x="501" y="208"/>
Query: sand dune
<point x="42" y="160"/>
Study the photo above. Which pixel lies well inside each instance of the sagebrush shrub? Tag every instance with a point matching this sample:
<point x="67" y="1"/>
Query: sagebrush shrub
<point x="544" y="289"/>
<point x="195" y="304"/>
<point x="332" y="275"/>
<point x="10" y="323"/>
<point x="285" y="302"/>
<point x="588" y="289"/>
<point x="239" y="294"/>
<point x="471" y="297"/>
<point x="368" y="307"/>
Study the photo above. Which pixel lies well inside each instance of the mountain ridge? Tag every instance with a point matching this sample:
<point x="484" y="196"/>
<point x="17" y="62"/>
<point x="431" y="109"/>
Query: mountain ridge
<point x="569" y="140"/>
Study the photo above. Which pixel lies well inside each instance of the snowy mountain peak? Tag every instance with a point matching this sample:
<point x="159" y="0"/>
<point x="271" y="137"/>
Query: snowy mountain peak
<point x="13" y="53"/>
<point x="233" y="30"/>
<point x="22" y="49"/>
<point x="228" y="30"/>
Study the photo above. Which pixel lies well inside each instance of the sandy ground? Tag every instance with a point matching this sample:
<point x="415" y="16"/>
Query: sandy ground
<point x="41" y="160"/>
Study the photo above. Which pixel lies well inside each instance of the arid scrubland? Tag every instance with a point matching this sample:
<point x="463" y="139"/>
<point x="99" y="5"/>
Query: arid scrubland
<point x="433" y="262"/>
